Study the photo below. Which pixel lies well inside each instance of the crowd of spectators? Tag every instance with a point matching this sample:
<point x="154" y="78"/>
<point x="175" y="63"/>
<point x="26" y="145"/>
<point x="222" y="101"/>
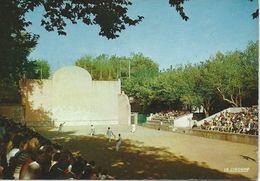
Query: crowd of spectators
<point x="25" y="154"/>
<point x="168" y="116"/>
<point x="243" y="122"/>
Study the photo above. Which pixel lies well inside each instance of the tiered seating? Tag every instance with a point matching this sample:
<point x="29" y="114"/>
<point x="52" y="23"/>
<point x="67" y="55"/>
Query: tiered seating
<point x="244" y="122"/>
<point x="164" y="120"/>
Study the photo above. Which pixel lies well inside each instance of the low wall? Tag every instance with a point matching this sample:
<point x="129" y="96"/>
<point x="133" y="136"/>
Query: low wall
<point x="184" y="121"/>
<point x="233" y="137"/>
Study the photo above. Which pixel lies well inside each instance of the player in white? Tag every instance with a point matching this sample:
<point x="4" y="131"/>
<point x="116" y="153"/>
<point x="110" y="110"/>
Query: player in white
<point x="60" y="127"/>
<point x="110" y="134"/>
<point x="133" y="128"/>
<point x="92" y="130"/>
<point x="118" y="142"/>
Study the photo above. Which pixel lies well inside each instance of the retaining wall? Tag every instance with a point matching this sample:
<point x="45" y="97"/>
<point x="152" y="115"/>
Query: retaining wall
<point x="233" y="137"/>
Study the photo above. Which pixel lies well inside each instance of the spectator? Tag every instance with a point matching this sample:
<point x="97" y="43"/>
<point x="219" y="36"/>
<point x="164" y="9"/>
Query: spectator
<point x="60" y="170"/>
<point x="244" y="122"/>
<point x="77" y="169"/>
<point x="15" y="147"/>
<point x="25" y="154"/>
<point x="20" y="162"/>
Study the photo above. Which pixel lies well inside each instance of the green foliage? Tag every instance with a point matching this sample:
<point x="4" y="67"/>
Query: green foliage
<point x="228" y="79"/>
<point x="16" y="44"/>
<point x="101" y="67"/>
<point x="136" y="72"/>
<point x="37" y="69"/>
<point x="42" y="69"/>
<point x="111" y="16"/>
<point x="233" y="76"/>
<point x="104" y="67"/>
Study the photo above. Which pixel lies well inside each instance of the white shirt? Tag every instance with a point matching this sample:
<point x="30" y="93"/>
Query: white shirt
<point x="11" y="154"/>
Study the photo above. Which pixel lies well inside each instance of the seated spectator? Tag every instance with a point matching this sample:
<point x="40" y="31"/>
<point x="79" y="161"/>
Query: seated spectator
<point x="244" y="122"/>
<point x="23" y="158"/>
<point x="102" y="174"/>
<point x="87" y="172"/>
<point x="15" y="147"/>
<point x="39" y="169"/>
<point x="25" y="154"/>
<point x="77" y="169"/>
<point x="60" y="170"/>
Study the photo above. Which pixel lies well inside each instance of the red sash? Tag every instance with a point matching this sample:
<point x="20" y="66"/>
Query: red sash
<point x="24" y="168"/>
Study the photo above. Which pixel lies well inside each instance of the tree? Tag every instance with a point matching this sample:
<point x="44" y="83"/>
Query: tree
<point x="100" y="67"/>
<point x="178" y="4"/>
<point x="15" y="44"/>
<point x="231" y="85"/>
<point x="142" y="67"/>
<point x="42" y="69"/>
<point x="206" y="89"/>
<point x="233" y="76"/>
<point x="110" y="15"/>
<point x="85" y="62"/>
<point x="250" y="68"/>
<point x="137" y="84"/>
<point x="256" y="13"/>
<point x="190" y="97"/>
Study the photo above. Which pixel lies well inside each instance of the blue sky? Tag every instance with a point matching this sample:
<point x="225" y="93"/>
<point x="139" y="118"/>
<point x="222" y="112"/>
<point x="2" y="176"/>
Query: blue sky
<point x="214" y="25"/>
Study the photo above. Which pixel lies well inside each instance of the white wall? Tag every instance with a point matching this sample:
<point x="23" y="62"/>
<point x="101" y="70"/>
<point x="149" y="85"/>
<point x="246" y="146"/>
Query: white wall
<point x="184" y="121"/>
<point x="72" y="97"/>
<point x="124" y="109"/>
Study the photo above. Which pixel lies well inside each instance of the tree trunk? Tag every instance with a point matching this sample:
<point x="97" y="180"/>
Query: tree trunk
<point x="206" y="109"/>
<point x="231" y="100"/>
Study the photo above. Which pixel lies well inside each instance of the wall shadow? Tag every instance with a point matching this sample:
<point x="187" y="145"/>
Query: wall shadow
<point x="34" y="116"/>
<point x="136" y="161"/>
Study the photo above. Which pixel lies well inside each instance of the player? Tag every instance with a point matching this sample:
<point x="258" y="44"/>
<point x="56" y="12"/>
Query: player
<point x="118" y="142"/>
<point x="110" y="134"/>
<point x="60" y="127"/>
<point x="92" y="130"/>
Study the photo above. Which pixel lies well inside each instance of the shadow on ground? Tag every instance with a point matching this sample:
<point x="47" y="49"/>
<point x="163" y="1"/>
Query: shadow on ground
<point x="134" y="160"/>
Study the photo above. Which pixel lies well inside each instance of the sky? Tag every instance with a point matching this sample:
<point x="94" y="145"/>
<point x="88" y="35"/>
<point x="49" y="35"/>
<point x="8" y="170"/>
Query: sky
<point x="213" y="25"/>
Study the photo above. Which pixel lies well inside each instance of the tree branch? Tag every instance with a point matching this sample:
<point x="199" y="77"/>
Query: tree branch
<point x="225" y="99"/>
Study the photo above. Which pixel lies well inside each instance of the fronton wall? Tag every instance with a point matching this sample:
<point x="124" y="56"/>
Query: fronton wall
<point x="72" y="97"/>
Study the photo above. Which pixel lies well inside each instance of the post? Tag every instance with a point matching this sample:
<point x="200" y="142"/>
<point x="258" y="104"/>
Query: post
<point x="41" y="71"/>
<point x="129" y="69"/>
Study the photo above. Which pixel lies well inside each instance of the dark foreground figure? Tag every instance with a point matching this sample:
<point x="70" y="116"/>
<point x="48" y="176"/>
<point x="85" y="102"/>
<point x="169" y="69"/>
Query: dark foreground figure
<point x="25" y="154"/>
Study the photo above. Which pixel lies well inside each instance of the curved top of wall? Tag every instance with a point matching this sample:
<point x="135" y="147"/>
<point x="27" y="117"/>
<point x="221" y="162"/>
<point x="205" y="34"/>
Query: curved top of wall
<point x="72" y="76"/>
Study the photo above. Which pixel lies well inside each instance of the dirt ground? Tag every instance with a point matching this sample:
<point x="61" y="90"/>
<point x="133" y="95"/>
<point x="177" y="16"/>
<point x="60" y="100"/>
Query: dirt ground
<point x="153" y="154"/>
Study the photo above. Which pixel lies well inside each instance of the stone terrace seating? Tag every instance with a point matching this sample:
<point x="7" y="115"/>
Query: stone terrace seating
<point x="164" y="120"/>
<point x="244" y="122"/>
